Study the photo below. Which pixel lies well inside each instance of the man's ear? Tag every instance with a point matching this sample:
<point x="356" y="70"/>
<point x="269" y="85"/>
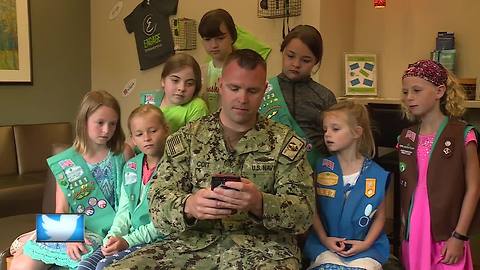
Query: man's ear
<point x="162" y="83"/>
<point x="220" y="85"/>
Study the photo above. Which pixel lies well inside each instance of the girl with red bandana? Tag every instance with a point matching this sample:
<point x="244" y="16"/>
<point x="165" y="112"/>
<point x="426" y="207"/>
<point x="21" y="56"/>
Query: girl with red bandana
<point x="439" y="171"/>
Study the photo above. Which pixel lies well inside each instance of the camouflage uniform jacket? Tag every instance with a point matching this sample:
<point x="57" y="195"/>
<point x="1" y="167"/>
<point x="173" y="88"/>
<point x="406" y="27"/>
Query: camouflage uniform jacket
<point x="269" y="154"/>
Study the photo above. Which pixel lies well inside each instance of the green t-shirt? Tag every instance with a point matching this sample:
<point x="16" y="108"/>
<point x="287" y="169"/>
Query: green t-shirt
<point x="178" y="116"/>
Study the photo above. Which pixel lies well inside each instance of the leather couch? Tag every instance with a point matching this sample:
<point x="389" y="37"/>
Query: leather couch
<point x="26" y="186"/>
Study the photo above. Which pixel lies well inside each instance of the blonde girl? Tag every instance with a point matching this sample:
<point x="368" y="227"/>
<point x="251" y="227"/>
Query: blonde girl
<point x="132" y="227"/>
<point x="348" y="224"/>
<point x="88" y="175"/>
<point x="438" y="170"/>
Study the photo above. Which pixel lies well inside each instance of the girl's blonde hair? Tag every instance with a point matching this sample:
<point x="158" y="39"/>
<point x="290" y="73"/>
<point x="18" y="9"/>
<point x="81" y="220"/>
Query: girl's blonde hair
<point x="146" y="109"/>
<point x="357" y="115"/>
<point x="178" y="62"/>
<point x="453" y="100"/>
<point x="90" y="103"/>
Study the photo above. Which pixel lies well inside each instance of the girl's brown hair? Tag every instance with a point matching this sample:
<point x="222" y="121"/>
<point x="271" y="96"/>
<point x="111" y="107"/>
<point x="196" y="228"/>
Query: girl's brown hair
<point x="179" y="61"/>
<point x="90" y="103"/>
<point x="209" y="26"/>
<point x="357" y="115"/>
<point x="310" y="36"/>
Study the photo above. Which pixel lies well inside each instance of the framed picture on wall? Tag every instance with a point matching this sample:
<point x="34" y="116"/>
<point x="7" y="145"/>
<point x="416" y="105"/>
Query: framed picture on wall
<point x="360" y="74"/>
<point x="15" y="59"/>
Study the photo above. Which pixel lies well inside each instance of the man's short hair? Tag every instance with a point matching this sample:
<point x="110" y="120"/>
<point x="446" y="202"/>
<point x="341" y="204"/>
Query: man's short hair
<point x="246" y="58"/>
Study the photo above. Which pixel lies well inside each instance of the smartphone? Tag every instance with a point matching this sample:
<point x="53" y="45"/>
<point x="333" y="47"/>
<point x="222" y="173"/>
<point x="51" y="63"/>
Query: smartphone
<point x="347" y="246"/>
<point x="220" y="179"/>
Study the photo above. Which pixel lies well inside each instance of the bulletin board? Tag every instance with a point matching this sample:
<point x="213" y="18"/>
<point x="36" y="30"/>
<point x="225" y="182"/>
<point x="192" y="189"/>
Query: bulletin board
<point x="360" y="74"/>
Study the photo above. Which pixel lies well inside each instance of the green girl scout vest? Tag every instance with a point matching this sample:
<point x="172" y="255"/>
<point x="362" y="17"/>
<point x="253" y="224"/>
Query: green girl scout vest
<point x="274" y="107"/>
<point x="132" y="182"/>
<point x="82" y="191"/>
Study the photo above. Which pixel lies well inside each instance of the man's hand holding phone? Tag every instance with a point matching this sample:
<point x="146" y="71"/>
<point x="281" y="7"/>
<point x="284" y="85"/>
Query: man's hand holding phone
<point x="239" y="194"/>
<point x="206" y="204"/>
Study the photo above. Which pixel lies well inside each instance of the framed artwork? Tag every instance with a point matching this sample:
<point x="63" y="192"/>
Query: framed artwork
<point x="15" y="59"/>
<point x="360" y="74"/>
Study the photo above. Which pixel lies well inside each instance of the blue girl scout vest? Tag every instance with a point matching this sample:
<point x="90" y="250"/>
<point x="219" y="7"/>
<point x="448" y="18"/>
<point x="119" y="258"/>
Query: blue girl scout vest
<point x="274" y="107"/>
<point x="349" y="218"/>
<point x="138" y="207"/>
<point x="82" y="191"/>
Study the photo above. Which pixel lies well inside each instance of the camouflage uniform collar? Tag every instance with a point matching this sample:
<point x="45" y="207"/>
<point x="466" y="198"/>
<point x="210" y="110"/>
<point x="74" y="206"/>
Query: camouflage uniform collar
<point x="256" y="139"/>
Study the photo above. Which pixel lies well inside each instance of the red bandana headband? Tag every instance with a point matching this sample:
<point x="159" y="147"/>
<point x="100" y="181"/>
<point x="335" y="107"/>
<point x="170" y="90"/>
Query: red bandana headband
<point x="428" y="70"/>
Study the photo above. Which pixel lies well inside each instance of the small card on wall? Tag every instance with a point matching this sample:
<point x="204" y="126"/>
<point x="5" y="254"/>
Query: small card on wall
<point x="360" y="74"/>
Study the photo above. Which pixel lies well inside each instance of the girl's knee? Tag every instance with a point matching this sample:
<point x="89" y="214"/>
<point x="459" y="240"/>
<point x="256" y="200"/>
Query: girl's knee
<point x="22" y="262"/>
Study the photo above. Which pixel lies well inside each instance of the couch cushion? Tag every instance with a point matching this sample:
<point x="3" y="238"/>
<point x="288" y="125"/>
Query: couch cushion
<point x="21" y="194"/>
<point x="34" y="144"/>
<point x="8" y="158"/>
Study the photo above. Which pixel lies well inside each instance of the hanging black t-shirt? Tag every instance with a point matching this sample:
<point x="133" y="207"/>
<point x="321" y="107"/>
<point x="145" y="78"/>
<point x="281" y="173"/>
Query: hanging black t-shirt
<point x="149" y="22"/>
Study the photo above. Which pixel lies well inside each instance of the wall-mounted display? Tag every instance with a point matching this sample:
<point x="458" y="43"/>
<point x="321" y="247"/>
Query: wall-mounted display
<point x="184" y="32"/>
<point x="15" y="59"/>
<point x="278" y="8"/>
<point x="361" y="74"/>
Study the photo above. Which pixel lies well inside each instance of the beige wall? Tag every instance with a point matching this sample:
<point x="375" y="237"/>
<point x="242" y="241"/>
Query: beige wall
<point x="60" y="38"/>
<point x="405" y="31"/>
<point x="114" y="57"/>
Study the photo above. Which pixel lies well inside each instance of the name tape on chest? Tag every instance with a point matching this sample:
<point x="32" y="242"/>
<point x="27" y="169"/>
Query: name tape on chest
<point x="293" y="147"/>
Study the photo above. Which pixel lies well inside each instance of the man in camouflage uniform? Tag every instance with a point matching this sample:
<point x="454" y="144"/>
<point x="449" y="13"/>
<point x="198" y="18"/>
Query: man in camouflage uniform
<point x="249" y="224"/>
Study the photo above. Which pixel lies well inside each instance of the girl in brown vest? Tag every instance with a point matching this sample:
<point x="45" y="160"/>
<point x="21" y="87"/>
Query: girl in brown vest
<point x="439" y="171"/>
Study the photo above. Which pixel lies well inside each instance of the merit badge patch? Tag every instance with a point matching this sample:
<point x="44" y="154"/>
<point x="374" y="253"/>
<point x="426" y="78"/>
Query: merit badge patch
<point x="327" y="179"/>
<point x="130" y="178"/>
<point x="175" y="146"/>
<point x="402" y="166"/>
<point x="328" y="163"/>
<point x="132" y="165"/>
<point x="327" y="192"/>
<point x="292" y="148"/>
<point x="410" y="135"/>
<point x="370" y="187"/>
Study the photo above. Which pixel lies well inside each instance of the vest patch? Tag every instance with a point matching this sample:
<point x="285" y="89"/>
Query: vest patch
<point x="410" y="135"/>
<point x="370" y="187"/>
<point x="175" y="146"/>
<point x="327" y="179"/>
<point x="292" y="148"/>
<point x="402" y="166"/>
<point x="327" y="192"/>
<point x="130" y="178"/>
<point x="328" y="163"/>
<point x="132" y="165"/>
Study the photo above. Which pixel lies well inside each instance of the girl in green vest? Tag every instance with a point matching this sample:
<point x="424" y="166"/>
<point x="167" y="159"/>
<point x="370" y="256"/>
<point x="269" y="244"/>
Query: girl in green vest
<point x="88" y="175"/>
<point x="132" y="227"/>
<point x="293" y="98"/>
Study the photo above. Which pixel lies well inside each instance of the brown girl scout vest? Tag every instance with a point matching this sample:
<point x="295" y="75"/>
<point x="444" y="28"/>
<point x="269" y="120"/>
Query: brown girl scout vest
<point x="445" y="178"/>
